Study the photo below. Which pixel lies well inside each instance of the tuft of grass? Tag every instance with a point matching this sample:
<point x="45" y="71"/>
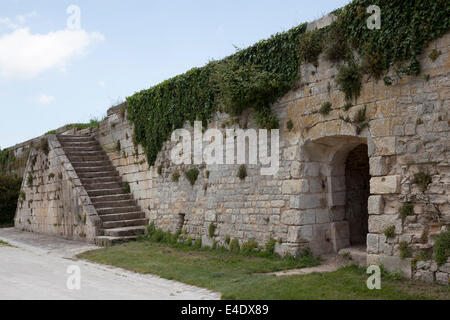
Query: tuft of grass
<point x="227" y="239"/>
<point x="126" y="187"/>
<point x="311" y="46"/>
<point x="423" y="180"/>
<point x="290" y="125"/>
<point x="435" y="54"/>
<point x="404" y="250"/>
<point x="349" y="80"/>
<point x="442" y="248"/>
<point x="406" y="210"/>
<point x="212" y="230"/>
<point x="390" y="232"/>
<point x="192" y="175"/>
<point x="242" y="172"/>
<point x="176" y="176"/>
<point x="325" y="109"/>
<point x="5" y="244"/>
<point x="234" y="246"/>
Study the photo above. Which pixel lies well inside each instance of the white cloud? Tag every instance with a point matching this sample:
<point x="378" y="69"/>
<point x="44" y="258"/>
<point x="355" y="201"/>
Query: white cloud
<point x="18" y="21"/>
<point x="101" y="83"/>
<point x="45" y="99"/>
<point x="25" y="55"/>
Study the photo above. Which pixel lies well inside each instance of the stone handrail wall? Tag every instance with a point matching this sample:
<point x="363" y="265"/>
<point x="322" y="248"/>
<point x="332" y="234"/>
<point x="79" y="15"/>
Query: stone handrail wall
<point x="56" y="202"/>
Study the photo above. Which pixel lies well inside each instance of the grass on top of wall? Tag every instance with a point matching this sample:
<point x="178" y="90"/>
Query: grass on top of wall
<point x="240" y="277"/>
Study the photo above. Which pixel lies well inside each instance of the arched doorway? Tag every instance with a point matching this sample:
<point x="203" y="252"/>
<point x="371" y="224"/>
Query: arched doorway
<point x="357" y="187"/>
<point x="345" y="175"/>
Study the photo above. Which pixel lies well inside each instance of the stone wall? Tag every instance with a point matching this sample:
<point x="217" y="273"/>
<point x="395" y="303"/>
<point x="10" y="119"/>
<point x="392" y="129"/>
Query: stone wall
<point x="306" y="203"/>
<point x="53" y="201"/>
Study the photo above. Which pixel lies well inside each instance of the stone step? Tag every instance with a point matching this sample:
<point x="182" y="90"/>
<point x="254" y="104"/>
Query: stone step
<point x="125" y="223"/>
<point x="84" y="164"/>
<point x="81" y="158"/>
<point x="94" y="169"/>
<point x="87" y="175"/>
<point x="75" y="139"/>
<point x="105" y="241"/>
<point x="356" y="254"/>
<point x="73" y="149"/>
<point x="103" y="211"/>
<point x="104" y="192"/>
<point x="116" y="197"/>
<point x="115" y="204"/>
<point x="100" y="186"/>
<point x="73" y="153"/>
<point x="125" y="232"/>
<point x="79" y="144"/>
<point x="101" y="180"/>
<point x="122" y="216"/>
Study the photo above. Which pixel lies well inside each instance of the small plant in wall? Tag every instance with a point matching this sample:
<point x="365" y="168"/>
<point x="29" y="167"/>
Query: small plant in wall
<point x="290" y="125"/>
<point x="390" y="232"/>
<point x="176" y="176"/>
<point x="126" y="187"/>
<point x="404" y="250"/>
<point x="360" y="120"/>
<point x="406" y="210"/>
<point x="234" y="245"/>
<point x="192" y="175"/>
<point x="242" y="172"/>
<point x="442" y="248"/>
<point x="212" y="230"/>
<point x="30" y="180"/>
<point x="349" y="80"/>
<point x="423" y="180"/>
<point x="325" y="109"/>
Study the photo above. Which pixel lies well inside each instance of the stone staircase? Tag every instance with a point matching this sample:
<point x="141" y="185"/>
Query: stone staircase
<point x="122" y="219"/>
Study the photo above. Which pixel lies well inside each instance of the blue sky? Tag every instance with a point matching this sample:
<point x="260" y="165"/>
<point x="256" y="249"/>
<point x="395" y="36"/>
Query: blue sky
<point x="51" y="75"/>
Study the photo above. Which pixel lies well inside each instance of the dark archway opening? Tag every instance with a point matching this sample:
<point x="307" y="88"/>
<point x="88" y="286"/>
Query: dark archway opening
<point x="357" y="180"/>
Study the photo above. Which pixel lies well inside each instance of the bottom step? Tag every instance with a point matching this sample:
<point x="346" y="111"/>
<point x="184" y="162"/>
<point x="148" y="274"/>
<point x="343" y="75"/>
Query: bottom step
<point x="356" y="254"/>
<point x="109" y="241"/>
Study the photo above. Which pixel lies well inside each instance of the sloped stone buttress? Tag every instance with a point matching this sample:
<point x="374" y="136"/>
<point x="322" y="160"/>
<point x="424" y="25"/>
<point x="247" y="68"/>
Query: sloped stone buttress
<point x="122" y="219"/>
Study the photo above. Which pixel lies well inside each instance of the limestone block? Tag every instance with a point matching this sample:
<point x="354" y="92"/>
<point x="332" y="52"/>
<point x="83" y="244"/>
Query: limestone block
<point x="294" y="186"/>
<point x="379" y="223"/>
<point x="298" y="217"/>
<point x="442" y="278"/>
<point x="385" y="185"/>
<point x="376" y="204"/>
<point x="378" y="166"/>
<point x="385" y="146"/>
<point x="340" y="230"/>
<point x="391" y="263"/>
<point x="210" y="216"/>
<point x="300" y="234"/>
<point x="373" y="243"/>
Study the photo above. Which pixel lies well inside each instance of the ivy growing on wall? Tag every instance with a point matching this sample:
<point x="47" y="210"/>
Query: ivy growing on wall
<point x="252" y="78"/>
<point x="256" y="77"/>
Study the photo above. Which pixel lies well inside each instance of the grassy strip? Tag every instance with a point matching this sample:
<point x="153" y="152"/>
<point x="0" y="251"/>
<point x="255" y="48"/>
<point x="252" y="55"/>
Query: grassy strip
<point x="6" y="244"/>
<point x="239" y="276"/>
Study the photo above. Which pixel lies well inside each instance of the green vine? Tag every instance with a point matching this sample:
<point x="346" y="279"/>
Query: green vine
<point x="257" y="77"/>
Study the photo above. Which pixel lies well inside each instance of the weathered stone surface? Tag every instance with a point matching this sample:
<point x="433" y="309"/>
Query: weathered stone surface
<point x="298" y="217"/>
<point x="378" y="166"/>
<point x="294" y="186"/>
<point x="376" y="205"/>
<point x="391" y="264"/>
<point x="385" y="185"/>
